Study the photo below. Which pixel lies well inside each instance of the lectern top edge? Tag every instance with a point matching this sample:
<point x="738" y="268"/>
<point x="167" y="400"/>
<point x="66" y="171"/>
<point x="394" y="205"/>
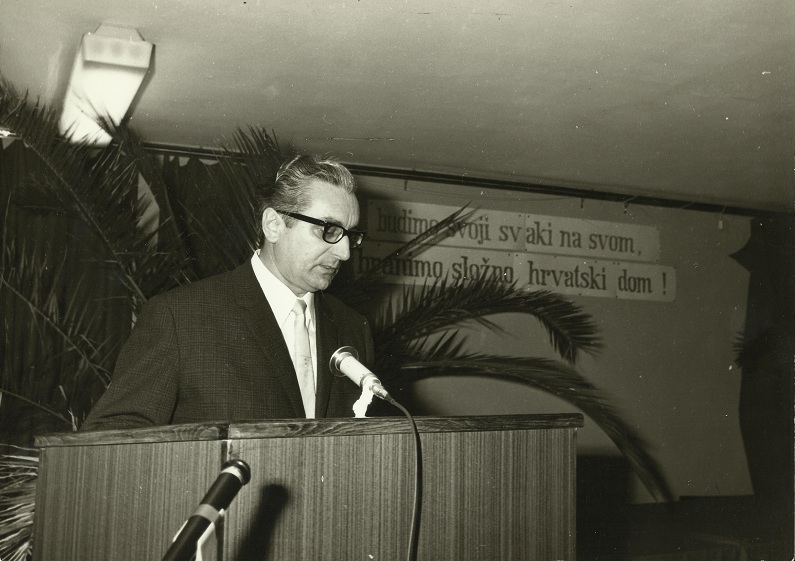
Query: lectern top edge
<point x="291" y="428"/>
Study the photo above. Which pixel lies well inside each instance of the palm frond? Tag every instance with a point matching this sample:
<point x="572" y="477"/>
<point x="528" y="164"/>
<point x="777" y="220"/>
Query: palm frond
<point x="159" y="270"/>
<point x="558" y="379"/>
<point x="418" y="244"/>
<point x="70" y="422"/>
<point x="68" y="173"/>
<point x="68" y="321"/>
<point x="57" y="366"/>
<point x="100" y="186"/>
<point x="145" y="162"/>
<point x="18" y="472"/>
<point x="435" y="307"/>
<point x="360" y="289"/>
<point x="225" y="222"/>
<point x="257" y="150"/>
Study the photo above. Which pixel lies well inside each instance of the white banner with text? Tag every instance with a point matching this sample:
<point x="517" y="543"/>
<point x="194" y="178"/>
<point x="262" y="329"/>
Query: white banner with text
<point x="513" y="231"/>
<point x="564" y="255"/>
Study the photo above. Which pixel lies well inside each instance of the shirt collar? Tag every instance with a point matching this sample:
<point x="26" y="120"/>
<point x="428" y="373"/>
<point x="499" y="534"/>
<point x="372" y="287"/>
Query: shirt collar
<point x="279" y="296"/>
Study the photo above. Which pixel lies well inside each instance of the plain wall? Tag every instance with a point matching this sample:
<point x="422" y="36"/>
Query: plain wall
<point x="668" y="366"/>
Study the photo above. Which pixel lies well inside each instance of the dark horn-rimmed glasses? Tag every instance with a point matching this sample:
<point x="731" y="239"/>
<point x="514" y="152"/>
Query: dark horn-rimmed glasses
<point x="332" y="233"/>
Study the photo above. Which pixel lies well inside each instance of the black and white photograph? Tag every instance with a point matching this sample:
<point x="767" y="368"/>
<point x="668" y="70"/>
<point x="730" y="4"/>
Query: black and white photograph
<point x="392" y="280"/>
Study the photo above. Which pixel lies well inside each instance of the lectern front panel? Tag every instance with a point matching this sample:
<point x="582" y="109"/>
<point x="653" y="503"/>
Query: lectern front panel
<point x="496" y="487"/>
<point x="490" y="490"/>
<point x="120" y="502"/>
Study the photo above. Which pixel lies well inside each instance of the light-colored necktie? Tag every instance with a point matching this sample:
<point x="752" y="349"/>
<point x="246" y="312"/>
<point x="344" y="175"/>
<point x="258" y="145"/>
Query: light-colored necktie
<point x="303" y="359"/>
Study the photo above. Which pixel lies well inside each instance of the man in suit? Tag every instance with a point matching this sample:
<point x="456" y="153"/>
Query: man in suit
<point x="253" y="343"/>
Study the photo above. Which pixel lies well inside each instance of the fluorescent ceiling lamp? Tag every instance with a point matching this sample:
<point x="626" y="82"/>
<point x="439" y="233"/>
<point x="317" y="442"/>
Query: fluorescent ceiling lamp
<point x="109" y="69"/>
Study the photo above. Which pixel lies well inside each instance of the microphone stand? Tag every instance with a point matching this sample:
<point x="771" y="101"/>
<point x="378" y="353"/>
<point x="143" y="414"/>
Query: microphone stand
<point x="185" y="547"/>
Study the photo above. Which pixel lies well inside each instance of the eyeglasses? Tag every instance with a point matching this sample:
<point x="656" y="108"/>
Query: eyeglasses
<point x="332" y="233"/>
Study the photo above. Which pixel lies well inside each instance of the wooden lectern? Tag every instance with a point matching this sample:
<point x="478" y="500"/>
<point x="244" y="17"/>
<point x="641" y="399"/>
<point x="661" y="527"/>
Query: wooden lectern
<point x="493" y="487"/>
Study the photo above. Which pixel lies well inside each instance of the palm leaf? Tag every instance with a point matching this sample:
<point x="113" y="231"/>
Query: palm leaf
<point x="51" y="412"/>
<point x="257" y="151"/>
<point x="68" y="365"/>
<point x="436" y="307"/>
<point x="18" y="473"/>
<point x="159" y="270"/>
<point x="222" y="218"/>
<point x="361" y="289"/>
<point x="553" y="377"/>
<point x="416" y="245"/>
<point x="69" y="323"/>
<point x="100" y="186"/>
<point x="72" y="169"/>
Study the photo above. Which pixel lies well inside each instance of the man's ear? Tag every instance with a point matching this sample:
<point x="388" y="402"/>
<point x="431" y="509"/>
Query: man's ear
<point x="272" y="225"/>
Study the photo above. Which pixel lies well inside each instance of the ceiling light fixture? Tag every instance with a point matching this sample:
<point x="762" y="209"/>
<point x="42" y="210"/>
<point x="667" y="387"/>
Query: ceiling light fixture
<point x="108" y="71"/>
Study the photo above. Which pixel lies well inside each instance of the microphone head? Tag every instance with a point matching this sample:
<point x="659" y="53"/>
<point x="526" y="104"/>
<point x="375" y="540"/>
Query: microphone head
<point x="239" y="468"/>
<point x="339" y="355"/>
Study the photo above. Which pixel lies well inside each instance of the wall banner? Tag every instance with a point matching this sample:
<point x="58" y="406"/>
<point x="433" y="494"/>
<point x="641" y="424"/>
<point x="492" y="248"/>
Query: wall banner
<point x="533" y="271"/>
<point x="513" y="231"/>
<point x="534" y="252"/>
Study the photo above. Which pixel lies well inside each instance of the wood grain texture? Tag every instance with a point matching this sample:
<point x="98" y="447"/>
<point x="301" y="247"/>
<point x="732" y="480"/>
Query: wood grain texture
<point x="486" y="495"/>
<point x="308" y="427"/>
<point x="498" y="487"/>
<point x="118" y="502"/>
<point x="170" y="433"/>
<point x="399" y="425"/>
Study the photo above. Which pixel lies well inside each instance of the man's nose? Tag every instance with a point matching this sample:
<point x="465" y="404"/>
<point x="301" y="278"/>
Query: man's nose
<point x="342" y="249"/>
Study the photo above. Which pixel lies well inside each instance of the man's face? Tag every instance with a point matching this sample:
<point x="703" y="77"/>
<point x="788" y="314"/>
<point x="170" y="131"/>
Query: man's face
<point x="303" y="261"/>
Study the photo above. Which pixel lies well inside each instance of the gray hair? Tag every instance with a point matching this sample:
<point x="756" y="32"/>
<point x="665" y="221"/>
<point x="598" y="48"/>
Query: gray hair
<point x="289" y="192"/>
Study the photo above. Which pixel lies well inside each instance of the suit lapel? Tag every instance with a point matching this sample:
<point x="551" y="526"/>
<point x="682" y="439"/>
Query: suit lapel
<point x="259" y="318"/>
<point x="327" y="339"/>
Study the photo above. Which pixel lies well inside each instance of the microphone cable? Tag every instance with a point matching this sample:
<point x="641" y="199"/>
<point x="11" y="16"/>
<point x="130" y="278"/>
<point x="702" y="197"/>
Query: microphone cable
<point x="411" y="554"/>
<point x="345" y="362"/>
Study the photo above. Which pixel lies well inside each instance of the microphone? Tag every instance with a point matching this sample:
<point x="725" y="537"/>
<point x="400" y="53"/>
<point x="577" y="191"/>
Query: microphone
<point x="345" y="362"/>
<point x="234" y="474"/>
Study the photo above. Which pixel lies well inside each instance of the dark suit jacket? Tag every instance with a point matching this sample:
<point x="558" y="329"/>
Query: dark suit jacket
<point x="212" y="351"/>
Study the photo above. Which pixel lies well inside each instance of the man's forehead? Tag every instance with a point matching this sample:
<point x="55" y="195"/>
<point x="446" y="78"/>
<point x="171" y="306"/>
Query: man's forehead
<point x="331" y="200"/>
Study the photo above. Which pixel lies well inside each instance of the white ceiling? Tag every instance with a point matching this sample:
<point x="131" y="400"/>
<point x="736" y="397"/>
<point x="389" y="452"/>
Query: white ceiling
<point x="686" y="100"/>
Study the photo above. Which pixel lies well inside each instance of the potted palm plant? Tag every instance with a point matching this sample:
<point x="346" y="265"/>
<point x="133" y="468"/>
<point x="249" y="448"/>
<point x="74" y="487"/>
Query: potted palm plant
<point x="56" y="368"/>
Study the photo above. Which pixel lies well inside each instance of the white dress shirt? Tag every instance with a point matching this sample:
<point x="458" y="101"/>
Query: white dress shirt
<point x="281" y="300"/>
